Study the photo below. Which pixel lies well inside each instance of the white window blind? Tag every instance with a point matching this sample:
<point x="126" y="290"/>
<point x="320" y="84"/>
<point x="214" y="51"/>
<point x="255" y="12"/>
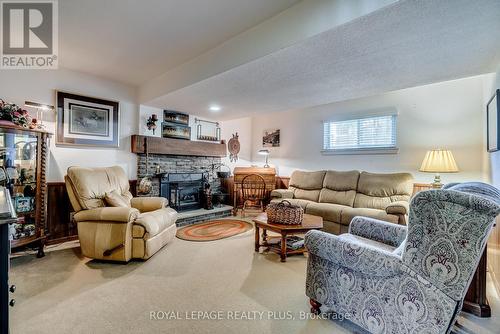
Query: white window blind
<point x="369" y="133"/>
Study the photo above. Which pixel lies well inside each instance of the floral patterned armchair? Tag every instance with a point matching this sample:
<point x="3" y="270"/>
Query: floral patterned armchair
<point x="389" y="278"/>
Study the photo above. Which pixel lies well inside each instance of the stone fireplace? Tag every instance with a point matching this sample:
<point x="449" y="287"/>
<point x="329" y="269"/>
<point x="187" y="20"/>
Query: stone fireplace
<point x="167" y="164"/>
<point x="179" y="169"/>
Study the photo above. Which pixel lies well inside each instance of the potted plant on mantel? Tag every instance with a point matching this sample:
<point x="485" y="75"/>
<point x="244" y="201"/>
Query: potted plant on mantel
<point x="11" y="114"/>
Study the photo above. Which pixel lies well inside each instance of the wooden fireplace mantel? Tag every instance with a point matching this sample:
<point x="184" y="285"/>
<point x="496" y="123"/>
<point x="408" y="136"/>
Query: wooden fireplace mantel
<point x="170" y="146"/>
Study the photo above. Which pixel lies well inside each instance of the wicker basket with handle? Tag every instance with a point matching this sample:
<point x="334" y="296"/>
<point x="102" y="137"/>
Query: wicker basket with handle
<point x="284" y="212"/>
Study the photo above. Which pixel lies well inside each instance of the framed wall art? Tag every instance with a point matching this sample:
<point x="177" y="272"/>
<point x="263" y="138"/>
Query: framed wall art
<point x="172" y="130"/>
<point x="271" y="138"/>
<point x="493" y="122"/>
<point x="172" y="116"/>
<point x="86" y="121"/>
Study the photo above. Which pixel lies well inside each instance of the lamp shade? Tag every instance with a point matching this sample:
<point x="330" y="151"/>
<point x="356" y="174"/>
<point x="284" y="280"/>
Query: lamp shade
<point x="263" y="152"/>
<point x="37" y="105"/>
<point x="439" y="161"/>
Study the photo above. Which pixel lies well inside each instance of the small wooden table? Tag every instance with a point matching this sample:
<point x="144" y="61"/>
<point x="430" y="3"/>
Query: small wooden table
<point x="310" y="222"/>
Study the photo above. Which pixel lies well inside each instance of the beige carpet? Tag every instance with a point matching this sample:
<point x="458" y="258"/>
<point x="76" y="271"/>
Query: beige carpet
<point x="65" y="293"/>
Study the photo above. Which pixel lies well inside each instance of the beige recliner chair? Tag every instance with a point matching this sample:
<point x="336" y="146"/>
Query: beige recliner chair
<point x="128" y="227"/>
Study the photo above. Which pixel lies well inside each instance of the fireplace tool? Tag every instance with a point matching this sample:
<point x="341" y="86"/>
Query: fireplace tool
<point x="146" y="185"/>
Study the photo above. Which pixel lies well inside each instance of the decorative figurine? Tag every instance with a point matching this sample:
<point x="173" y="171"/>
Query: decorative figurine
<point x="233" y="147"/>
<point x="207" y="191"/>
<point x="151" y="123"/>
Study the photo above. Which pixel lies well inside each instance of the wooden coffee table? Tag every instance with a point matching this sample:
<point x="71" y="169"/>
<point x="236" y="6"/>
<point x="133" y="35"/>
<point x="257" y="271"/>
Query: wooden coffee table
<point x="309" y="223"/>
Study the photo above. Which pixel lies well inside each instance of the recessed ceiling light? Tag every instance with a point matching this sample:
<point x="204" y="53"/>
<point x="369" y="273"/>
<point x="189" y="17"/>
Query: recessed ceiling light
<point x="214" y="108"/>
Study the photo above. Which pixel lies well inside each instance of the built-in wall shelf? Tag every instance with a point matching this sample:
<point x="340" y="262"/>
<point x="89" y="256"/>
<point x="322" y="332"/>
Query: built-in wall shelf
<point x="170" y="146"/>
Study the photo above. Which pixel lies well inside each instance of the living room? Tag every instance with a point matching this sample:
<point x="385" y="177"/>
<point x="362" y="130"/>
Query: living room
<point x="253" y="166"/>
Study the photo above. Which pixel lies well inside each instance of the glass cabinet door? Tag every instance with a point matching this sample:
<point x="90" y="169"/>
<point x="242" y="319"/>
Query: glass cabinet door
<point x="18" y="161"/>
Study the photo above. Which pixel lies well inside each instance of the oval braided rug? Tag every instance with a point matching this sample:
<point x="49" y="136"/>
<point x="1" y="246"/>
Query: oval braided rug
<point x="213" y="230"/>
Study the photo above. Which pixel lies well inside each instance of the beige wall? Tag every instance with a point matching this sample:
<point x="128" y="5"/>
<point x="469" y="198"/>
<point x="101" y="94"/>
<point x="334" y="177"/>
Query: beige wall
<point x="18" y="86"/>
<point x="492" y="160"/>
<point x="446" y="115"/>
<point x="243" y="127"/>
<point x="492" y="168"/>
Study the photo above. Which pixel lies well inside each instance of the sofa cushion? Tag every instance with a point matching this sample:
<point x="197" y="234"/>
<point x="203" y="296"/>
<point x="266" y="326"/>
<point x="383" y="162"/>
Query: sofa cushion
<point x="307" y="180"/>
<point x="330" y="212"/>
<point x="114" y="199"/>
<point x="372" y="202"/>
<point x="341" y="181"/>
<point x="153" y="222"/>
<point x="309" y="195"/>
<point x="306" y="185"/>
<point x="377" y="191"/>
<point x="337" y="197"/>
<point x="349" y="213"/>
<point x="339" y="187"/>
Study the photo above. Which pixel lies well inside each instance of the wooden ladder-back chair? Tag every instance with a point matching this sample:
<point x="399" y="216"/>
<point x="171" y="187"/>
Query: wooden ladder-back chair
<point x="253" y="188"/>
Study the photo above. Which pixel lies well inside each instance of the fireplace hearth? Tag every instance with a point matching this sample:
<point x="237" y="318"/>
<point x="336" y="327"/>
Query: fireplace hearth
<point x="184" y="191"/>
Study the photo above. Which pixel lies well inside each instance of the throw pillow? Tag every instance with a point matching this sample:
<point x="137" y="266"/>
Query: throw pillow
<point x="113" y="198"/>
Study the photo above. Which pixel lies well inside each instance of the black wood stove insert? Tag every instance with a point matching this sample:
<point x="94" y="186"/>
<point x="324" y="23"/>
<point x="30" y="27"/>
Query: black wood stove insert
<point x="184" y="191"/>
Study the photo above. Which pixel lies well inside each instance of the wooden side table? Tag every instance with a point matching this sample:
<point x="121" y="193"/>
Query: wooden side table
<point x="310" y="222"/>
<point x="418" y="187"/>
<point x="268" y="173"/>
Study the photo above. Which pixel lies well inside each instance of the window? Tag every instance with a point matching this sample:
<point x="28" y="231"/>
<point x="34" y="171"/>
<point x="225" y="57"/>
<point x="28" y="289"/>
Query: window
<point x="363" y="135"/>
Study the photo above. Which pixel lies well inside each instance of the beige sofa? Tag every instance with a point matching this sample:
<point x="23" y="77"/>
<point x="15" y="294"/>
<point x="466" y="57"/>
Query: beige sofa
<point x="136" y="228"/>
<point x="338" y="196"/>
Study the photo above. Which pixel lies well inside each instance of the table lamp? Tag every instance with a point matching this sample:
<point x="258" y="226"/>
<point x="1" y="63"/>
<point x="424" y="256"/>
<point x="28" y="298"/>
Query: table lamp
<point x="438" y="161"/>
<point x="266" y="153"/>
<point x="40" y="108"/>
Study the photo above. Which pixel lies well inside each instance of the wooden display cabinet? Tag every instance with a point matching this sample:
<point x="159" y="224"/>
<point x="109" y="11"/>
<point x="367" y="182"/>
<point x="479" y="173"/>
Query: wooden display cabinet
<point x="23" y="164"/>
